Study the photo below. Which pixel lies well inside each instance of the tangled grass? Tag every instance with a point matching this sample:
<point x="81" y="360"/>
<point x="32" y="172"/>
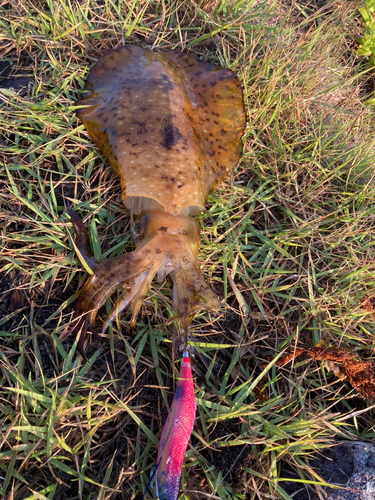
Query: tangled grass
<point x="287" y="244"/>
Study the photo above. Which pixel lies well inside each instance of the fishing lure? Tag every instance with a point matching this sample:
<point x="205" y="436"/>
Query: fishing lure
<point x="176" y="434"/>
<point x="170" y="126"/>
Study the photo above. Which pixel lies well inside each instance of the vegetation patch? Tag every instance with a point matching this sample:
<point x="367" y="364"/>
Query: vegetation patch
<point x="287" y="244"/>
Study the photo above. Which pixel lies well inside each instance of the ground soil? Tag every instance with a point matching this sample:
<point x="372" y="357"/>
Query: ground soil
<point x="334" y="465"/>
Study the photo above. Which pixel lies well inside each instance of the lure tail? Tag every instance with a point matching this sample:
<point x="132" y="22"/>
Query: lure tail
<point x="176" y="434"/>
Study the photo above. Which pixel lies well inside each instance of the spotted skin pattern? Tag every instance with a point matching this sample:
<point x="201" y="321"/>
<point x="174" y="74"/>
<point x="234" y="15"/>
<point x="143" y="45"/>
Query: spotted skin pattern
<point x="170" y="126"/>
<point x="176" y="434"/>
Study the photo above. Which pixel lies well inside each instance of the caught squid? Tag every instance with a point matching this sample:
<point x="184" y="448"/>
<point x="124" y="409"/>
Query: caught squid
<point x="170" y="126"/>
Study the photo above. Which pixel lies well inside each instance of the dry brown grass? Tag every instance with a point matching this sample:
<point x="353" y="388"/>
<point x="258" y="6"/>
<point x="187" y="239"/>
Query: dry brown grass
<point x="287" y="245"/>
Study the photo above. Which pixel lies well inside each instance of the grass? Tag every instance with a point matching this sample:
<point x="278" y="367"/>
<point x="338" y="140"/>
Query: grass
<point x="287" y="243"/>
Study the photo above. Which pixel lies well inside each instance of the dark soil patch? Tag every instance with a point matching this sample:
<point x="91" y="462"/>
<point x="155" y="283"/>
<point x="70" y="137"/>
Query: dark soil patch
<point x="334" y="465"/>
<point x="16" y="83"/>
<point x="19" y="305"/>
<point x="15" y="73"/>
<point x="309" y="6"/>
<point x="313" y="5"/>
<point x="231" y="460"/>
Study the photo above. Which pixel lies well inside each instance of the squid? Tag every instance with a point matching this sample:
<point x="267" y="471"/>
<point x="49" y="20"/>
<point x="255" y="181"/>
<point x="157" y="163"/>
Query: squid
<point x="170" y="126"/>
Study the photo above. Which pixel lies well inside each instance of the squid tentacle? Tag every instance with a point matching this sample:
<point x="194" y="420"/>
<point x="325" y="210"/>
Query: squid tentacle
<point x="182" y="303"/>
<point x="142" y="290"/>
<point x="188" y="288"/>
<point x="135" y="296"/>
<point x="168" y="245"/>
<point x="83" y="241"/>
<point x="194" y="280"/>
<point x="107" y="278"/>
<point x="123" y="301"/>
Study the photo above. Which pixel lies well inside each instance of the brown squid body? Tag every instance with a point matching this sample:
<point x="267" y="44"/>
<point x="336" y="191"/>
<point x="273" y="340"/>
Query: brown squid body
<point x="170" y="126"/>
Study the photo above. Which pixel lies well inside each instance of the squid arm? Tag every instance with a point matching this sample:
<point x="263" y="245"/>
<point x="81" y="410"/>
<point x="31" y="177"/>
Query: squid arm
<point x="167" y="245"/>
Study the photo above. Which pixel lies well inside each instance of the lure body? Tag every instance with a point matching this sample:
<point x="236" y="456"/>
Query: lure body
<point x="170" y="126"/>
<point x="176" y="435"/>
